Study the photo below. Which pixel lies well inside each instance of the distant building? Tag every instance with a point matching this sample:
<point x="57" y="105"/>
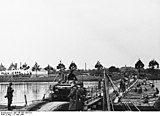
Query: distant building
<point x="41" y="72"/>
<point x="15" y="72"/>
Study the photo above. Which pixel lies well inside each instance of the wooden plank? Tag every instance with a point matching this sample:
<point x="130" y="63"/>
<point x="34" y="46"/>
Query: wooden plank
<point x="34" y="106"/>
<point x="94" y="101"/>
<point x="52" y="106"/>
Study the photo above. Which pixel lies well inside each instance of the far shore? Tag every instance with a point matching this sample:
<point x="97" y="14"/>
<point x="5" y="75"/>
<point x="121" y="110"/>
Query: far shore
<point x="47" y="78"/>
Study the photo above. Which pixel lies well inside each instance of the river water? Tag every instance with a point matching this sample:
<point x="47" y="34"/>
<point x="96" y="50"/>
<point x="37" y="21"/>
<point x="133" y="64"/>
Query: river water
<point x="32" y="90"/>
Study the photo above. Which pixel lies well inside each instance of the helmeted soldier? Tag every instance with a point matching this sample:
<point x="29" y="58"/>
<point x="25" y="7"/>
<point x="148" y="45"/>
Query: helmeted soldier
<point x="9" y="95"/>
<point x="61" y="67"/>
<point x="122" y="85"/>
<point x="72" y="76"/>
<point x="72" y="68"/>
<point x="72" y="96"/>
<point x="80" y="97"/>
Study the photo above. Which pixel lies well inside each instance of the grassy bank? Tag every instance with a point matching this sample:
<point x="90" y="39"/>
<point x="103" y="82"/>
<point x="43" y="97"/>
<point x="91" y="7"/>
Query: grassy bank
<point x="46" y="79"/>
<point x="27" y="79"/>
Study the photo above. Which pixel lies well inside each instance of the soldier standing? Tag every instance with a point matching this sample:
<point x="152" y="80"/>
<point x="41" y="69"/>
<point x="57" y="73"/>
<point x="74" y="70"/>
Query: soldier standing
<point x="80" y="97"/>
<point x="72" y="76"/>
<point x="9" y="95"/>
<point x="72" y="96"/>
<point x="72" y="68"/>
<point x="122" y="86"/>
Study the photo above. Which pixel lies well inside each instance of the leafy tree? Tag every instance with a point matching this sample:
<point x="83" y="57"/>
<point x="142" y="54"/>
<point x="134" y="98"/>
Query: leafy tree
<point x="25" y="67"/>
<point x="139" y="64"/>
<point x="13" y="66"/>
<point x="129" y="71"/>
<point x="49" y="69"/>
<point x="153" y="64"/>
<point x="113" y="69"/>
<point x="2" y="68"/>
<point x="36" y="68"/>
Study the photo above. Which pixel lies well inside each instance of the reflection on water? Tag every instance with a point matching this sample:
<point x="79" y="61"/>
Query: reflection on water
<point x="32" y="90"/>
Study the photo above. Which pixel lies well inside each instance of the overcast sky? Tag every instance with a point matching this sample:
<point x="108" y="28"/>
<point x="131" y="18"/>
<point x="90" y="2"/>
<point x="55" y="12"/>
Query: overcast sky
<point x="115" y="32"/>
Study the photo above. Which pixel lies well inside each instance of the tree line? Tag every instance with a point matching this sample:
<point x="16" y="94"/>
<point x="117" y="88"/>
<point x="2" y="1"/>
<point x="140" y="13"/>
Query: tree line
<point x="153" y="68"/>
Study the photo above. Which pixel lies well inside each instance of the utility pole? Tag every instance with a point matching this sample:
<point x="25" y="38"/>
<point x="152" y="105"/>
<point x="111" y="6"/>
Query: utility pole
<point x="85" y="66"/>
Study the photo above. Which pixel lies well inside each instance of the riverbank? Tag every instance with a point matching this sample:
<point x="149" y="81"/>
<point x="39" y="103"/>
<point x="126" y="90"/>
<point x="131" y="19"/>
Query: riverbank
<point x="51" y="78"/>
<point x="46" y="79"/>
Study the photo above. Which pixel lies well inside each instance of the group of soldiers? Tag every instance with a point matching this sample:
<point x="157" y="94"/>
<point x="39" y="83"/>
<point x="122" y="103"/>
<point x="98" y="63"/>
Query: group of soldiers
<point x="77" y="97"/>
<point x="77" y="93"/>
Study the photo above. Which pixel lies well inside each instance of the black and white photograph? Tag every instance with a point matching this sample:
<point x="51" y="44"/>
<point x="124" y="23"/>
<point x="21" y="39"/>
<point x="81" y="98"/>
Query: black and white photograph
<point x="79" y="56"/>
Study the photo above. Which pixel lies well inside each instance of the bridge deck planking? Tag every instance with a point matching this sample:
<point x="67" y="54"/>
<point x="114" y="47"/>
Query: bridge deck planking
<point x="137" y="98"/>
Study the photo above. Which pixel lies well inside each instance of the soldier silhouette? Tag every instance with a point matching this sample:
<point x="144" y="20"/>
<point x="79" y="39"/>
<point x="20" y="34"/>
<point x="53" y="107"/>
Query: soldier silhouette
<point x="9" y="95"/>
